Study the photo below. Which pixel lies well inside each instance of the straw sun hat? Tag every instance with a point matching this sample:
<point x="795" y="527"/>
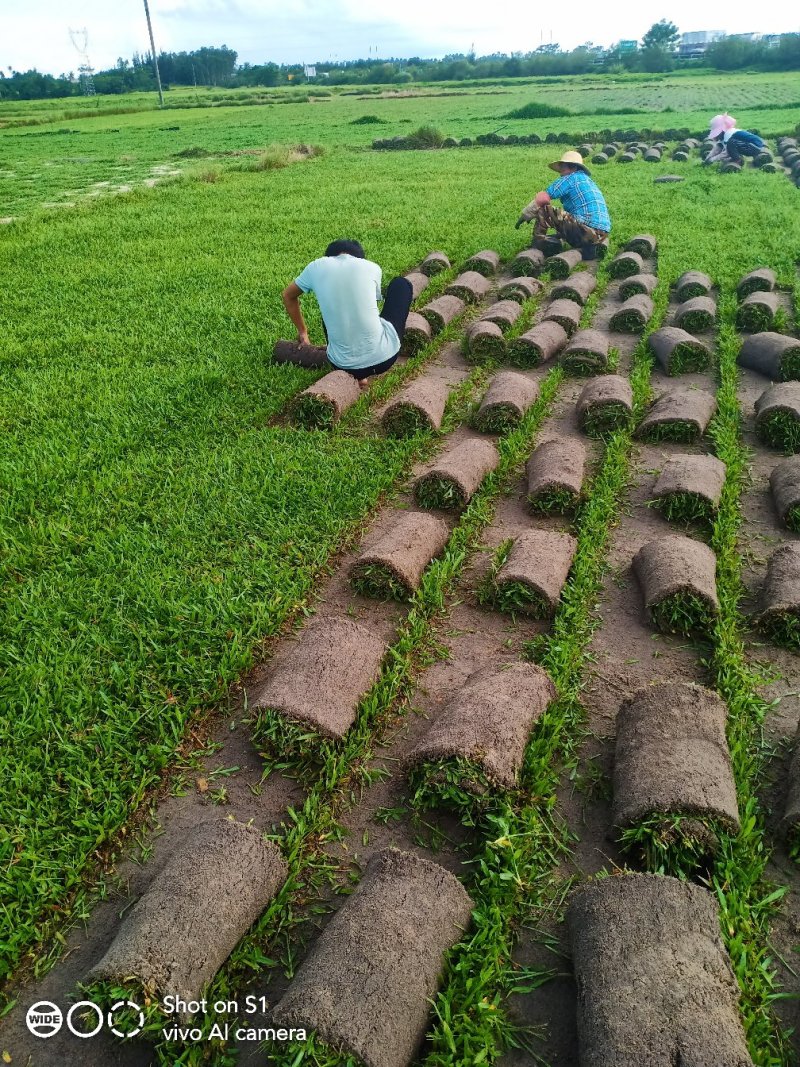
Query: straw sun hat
<point x="570" y="157"/>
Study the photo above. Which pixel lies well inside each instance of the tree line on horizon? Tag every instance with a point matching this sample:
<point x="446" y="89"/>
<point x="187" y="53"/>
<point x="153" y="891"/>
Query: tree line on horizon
<point x="217" y="67"/>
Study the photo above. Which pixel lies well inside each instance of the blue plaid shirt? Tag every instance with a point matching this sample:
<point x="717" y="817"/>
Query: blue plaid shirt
<point x="581" y="197"/>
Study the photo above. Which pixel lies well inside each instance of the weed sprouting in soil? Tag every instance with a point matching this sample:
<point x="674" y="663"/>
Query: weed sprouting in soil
<point x="555" y="500"/>
<point x="781" y="430"/>
<point x="378" y="581"/>
<point x="439" y="491"/>
<point x="686" y="508"/>
<point x="603" y="419"/>
<point x="682" y="613"/>
<point x="680" y="845"/>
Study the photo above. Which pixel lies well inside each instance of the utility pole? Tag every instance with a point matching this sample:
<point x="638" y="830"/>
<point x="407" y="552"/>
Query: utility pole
<point x="155" y="57"/>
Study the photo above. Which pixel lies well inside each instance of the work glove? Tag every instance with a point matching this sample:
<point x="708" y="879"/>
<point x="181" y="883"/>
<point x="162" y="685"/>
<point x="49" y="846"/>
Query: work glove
<point x="520" y="221"/>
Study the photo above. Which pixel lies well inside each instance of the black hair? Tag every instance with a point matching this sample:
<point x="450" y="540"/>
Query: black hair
<point x="345" y="248"/>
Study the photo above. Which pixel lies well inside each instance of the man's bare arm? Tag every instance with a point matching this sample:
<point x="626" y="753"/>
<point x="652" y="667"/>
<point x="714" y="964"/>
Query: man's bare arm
<point x="291" y="301"/>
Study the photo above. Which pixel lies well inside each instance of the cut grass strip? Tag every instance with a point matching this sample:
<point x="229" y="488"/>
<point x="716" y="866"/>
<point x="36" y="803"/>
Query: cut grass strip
<point x="456" y="783"/>
<point x="682" y="613"/>
<point x="679" y="845"/>
<point x="379" y="581"/>
<point x="686" y="508"/>
<point x="556" y="500"/>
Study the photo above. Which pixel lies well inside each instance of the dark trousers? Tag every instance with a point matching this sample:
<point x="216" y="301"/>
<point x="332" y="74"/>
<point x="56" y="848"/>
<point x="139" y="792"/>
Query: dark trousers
<point x="739" y="146"/>
<point x="396" y="306"/>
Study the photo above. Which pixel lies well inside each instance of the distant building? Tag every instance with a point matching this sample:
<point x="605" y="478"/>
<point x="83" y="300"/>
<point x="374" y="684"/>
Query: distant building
<point x="693" y="45"/>
<point x="628" y="46"/>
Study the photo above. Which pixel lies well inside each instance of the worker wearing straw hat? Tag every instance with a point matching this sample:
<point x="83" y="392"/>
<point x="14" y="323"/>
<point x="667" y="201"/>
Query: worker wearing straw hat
<point x="582" y="220"/>
<point x="732" y="143"/>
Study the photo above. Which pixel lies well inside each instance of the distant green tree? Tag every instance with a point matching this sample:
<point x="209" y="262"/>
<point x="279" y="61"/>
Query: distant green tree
<point x="656" y="60"/>
<point x="663" y="35"/>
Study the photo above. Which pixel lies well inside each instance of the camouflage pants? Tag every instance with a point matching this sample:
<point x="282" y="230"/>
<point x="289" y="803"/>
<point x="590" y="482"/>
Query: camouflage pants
<point x="568" y="228"/>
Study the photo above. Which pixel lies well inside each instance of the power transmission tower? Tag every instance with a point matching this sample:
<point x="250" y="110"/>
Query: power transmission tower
<point x="155" y="57"/>
<point x="80" y="39"/>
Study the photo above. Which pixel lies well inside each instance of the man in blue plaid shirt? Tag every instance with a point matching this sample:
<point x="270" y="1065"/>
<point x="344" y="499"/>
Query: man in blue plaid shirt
<point x="582" y="221"/>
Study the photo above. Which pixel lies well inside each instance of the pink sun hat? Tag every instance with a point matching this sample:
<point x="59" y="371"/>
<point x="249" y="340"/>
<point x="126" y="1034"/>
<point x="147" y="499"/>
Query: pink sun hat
<point x="720" y="123"/>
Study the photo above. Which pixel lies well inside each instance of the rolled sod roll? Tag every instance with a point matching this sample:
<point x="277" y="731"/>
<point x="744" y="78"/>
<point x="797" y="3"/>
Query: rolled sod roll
<point x="731" y="167"/>
<point x="561" y="264"/>
<point x="600" y="158"/>
<point x="418" y="333"/>
<point x="692" y="283"/>
<point x="366" y="986"/>
<point x="627" y="157"/>
<point x="299" y="355"/>
<point x="456" y="475"/>
<point x="484" y="729"/>
<point x="520" y="289"/>
<point x="680" y="415"/>
<point x="485" y="262"/>
<point x="664" y="179"/>
<point x="680" y="155"/>
<point x="319" y="679"/>
<point x="420" y="406"/>
<point x="538" y="344"/>
<point x="757" y="312"/>
<point x="778" y="612"/>
<point x="672" y="768"/>
<point x="637" y="283"/>
<point x="504" y="313"/>
<point x="434" y="263"/>
<point x="195" y="911"/>
<point x="784" y="481"/>
<point x="565" y="312"/>
<point x="528" y="263"/>
<point x="469" y="286"/>
<point x="578" y="288"/>
<point x="393" y="568"/>
<point x="605" y="405"/>
<point x="626" y="264"/>
<point x="697" y="314"/>
<point x="678" y="579"/>
<point x="690" y="487"/>
<point x="677" y="351"/>
<point x="769" y="168"/>
<point x="643" y="243"/>
<point x="531" y="579"/>
<point x="441" y="311"/>
<point x="778" y="416"/>
<point x="484" y="341"/>
<point x="585" y="150"/>
<point x="586" y="353"/>
<point x="633" y="315"/>
<point x="762" y="280"/>
<point x="652" y="155"/>
<point x="555" y="472"/>
<point x="324" y="402"/>
<point x="654" y="977"/>
<point x="507" y="399"/>
<point x="419" y="282"/>
<point x="791" y="817"/>
<point x="610" y="150"/>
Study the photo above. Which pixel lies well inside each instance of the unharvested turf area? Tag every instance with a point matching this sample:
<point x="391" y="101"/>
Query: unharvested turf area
<point x="159" y="520"/>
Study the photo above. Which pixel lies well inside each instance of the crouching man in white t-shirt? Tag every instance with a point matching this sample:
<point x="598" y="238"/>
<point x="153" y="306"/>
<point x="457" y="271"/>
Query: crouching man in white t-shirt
<point x="361" y="339"/>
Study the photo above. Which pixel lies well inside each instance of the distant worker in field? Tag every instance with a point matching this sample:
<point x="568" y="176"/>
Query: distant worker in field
<point x="582" y="220"/>
<point x="732" y="143"/>
<point x="361" y="339"/>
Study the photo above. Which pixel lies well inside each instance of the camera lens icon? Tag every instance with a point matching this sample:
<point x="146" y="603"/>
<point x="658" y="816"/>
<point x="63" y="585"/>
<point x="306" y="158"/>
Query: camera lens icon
<point x="44" y="1019"/>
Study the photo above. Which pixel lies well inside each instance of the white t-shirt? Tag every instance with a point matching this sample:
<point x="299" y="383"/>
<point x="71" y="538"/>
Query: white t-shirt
<point x="348" y="290"/>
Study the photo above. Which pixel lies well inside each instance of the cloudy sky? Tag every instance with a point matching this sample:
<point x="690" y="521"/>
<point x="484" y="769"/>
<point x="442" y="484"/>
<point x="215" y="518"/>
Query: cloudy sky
<point x="34" y="33"/>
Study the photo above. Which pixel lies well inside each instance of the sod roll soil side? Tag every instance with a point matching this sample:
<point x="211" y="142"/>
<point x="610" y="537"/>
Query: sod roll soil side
<point x="489" y="720"/>
<point x="677" y="350"/>
<point x="565" y="312"/>
<point x="508" y="397"/>
<point x="424" y="400"/>
<point x="633" y="315"/>
<point x="609" y="389"/>
<point x="672" y="565"/>
<point x="561" y="264"/>
<point x="320" y="678"/>
<point x="692" y="283"/>
<point x="464" y="466"/>
<point x="540" y="343"/>
<point x="300" y="355"/>
<point x="334" y="394"/>
<point x="418" y="333"/>
<point x="637" y="283"/>
<point x="772" y="354"/>
<point x="520" y="289"/>
<point x="366" y="986"/>
<point x="539" y="561"/>
<point x="656" y="988"/>
<point x="434" y="263"/>
<point x="696" y="314"/>
<point x="626" y="264"/>
<point x="791" y="816"/>
<point x="485" y="262"/>
<point x="556" y="464"/>
<point x="578" y="288"/>
<point x="784" y="482"/>
<point x="441" y="311"/>
<point x="196" y="910"/>
<point x="419" y="282"/>
<point x="762" y="280"/>
<point x="672" y="758"/>
<point x="469" y="286"/>
<point x="407" y="548"/>
<point x="692" y="408"/>
<point x="587" y="352"/>
<point x="528" y="262"/>
<point x="503" y="312"/>
<point x="702" y="476"/>
<point x="484" y="340"/>
<point x="643" y="243"/>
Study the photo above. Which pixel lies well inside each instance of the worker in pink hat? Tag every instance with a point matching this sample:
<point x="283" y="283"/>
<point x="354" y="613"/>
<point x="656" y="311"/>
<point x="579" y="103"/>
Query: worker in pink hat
<point x="732" y="143"/>
<point x="582" y="220"/>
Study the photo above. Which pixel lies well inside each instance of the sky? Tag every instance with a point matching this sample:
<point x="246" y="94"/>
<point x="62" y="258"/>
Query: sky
<point x="35" y="33"/>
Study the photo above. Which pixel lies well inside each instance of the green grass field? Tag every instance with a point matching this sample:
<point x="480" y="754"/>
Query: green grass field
<point x="157" y="523"/>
